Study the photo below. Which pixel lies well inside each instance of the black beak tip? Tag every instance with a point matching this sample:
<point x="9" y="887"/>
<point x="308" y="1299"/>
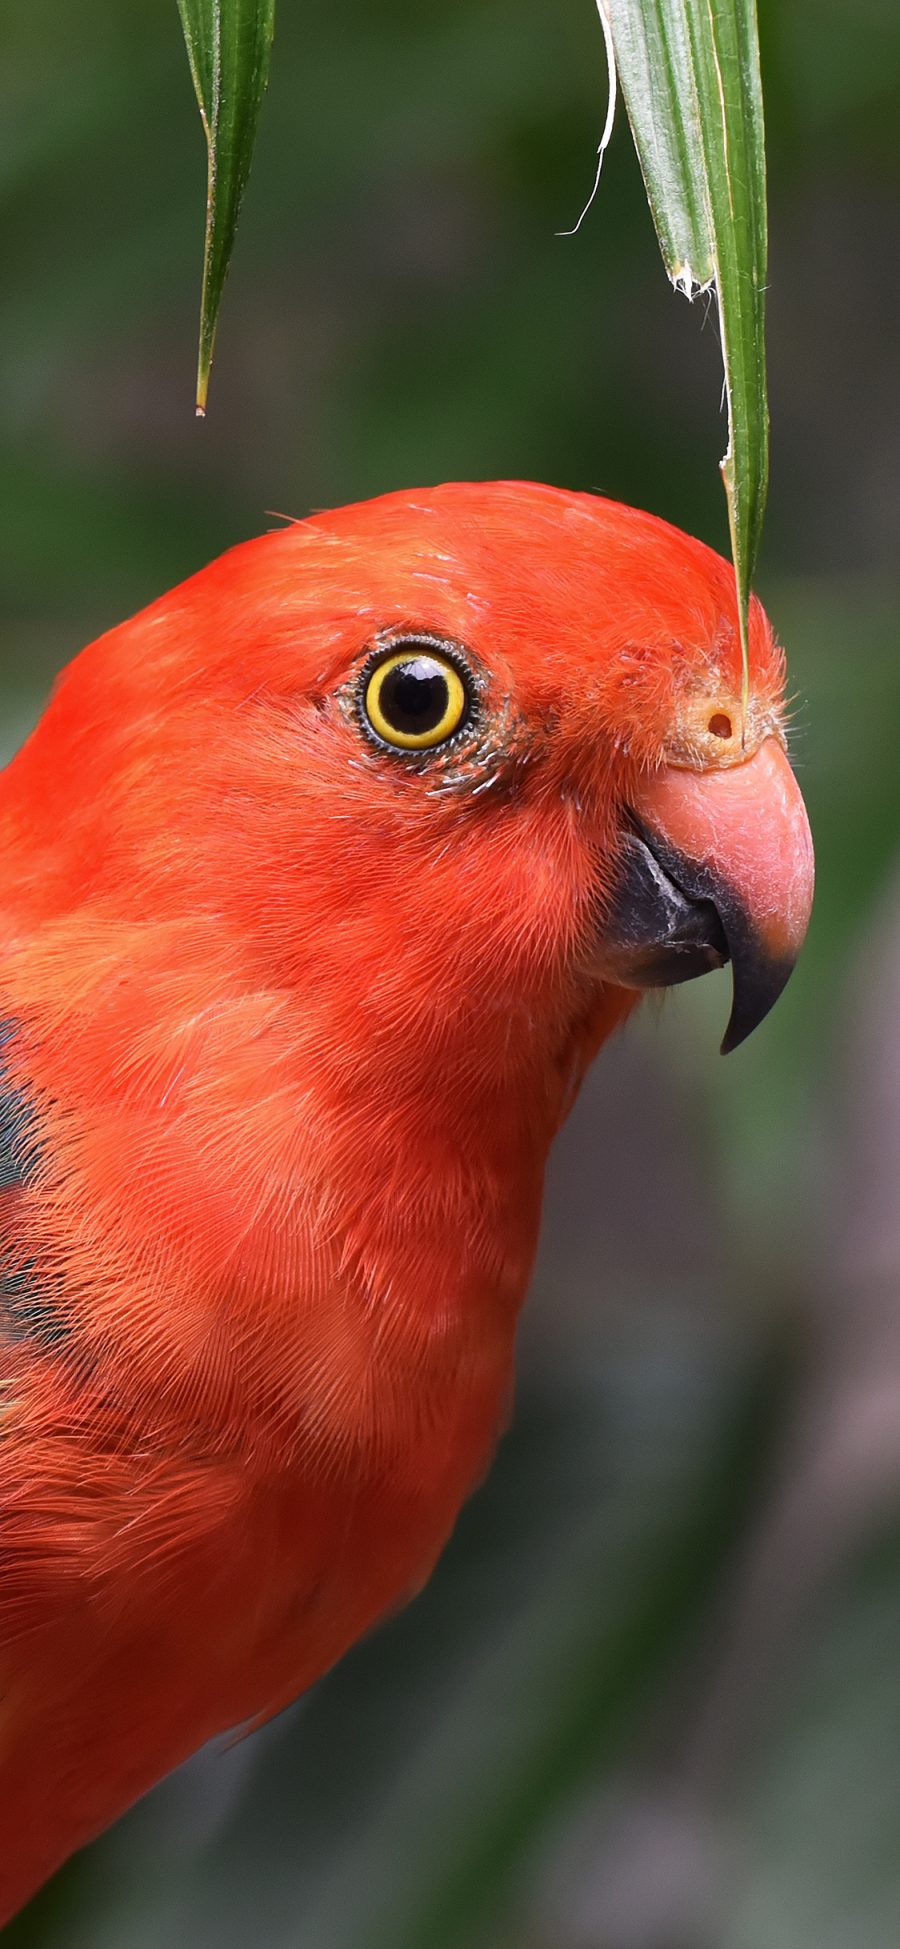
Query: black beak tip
<point x="759" y="979"/>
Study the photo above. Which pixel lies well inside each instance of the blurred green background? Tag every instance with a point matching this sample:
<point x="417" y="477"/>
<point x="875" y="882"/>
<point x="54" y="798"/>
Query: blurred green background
<point x="651" y="1699"/>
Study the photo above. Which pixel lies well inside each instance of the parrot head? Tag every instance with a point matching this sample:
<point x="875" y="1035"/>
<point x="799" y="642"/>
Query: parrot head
<point x="478" y="754"/>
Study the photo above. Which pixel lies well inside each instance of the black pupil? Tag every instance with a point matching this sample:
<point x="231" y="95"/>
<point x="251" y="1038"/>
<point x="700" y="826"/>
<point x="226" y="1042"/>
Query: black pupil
<point x="414" y="696"/>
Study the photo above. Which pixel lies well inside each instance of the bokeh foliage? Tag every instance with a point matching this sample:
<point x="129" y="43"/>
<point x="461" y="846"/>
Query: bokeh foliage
<point x="532" y="1738"/>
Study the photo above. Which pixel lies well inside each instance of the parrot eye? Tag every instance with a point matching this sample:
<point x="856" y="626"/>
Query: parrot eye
<point x="415" y="696"/>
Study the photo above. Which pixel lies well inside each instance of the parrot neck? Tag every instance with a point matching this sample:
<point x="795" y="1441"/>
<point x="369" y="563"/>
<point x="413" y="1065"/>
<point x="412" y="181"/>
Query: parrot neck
<point x="247" y="1189"/>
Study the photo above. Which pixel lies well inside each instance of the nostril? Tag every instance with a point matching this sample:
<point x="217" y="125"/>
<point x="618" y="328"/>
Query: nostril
<point x="720" y="725"/>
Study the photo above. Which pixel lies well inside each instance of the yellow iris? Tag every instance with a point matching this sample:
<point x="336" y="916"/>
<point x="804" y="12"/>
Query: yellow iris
<point x="415" y="699"/>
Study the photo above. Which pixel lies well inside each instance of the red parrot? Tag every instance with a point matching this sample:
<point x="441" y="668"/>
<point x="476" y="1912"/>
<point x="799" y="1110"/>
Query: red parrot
<point x="323" y="880"/>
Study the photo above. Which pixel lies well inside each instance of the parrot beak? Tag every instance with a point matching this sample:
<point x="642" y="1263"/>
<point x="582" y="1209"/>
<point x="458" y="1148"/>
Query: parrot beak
<point x="717" y="866"/>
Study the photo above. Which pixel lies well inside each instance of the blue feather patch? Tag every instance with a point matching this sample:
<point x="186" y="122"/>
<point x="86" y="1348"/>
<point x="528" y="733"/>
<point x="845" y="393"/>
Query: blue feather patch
<point x="18" y="1136"/>
<point x="27" y="1309"/>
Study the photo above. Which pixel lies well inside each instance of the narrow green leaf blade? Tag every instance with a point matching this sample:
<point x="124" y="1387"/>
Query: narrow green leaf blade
<point x="689" y="71"/>
<point x="229" y="43"/>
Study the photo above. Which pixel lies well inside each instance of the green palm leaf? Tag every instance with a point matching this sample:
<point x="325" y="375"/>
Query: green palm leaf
<point x="228" y="43"/>
<point x="689" y="71"/>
